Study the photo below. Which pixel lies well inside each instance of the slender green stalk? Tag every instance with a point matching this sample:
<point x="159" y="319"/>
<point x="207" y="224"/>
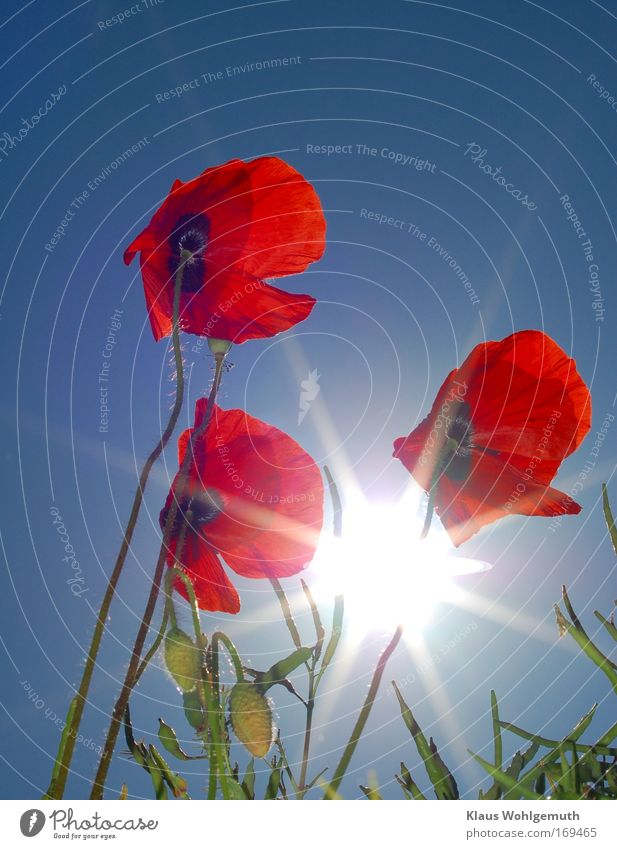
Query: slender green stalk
<point x="155" y="645"/>
<point x="208" y="692"/>
<point x="498" y="743"/>
<point x="313" y="677"/>
<point x="312" y="685"/>
<point x="308" y="729"/>
<point x="364" y="714"/>
<point x="430" y="508"/>
<point x="119" y="708"/>
<point x="220" y="637"/>
<point x="67" y="745"/>
<point x="291" y="625"/>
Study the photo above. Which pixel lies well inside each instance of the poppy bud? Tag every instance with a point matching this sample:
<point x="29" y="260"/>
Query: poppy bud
<point x="183" y="659"/>
<point x="251" y="718"/>
<point x="218" y="346"/>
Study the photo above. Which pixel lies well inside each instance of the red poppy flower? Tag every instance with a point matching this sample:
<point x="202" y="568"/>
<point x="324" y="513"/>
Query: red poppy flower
<point x="499" y="428"/>
<point x="242" y="222"/>
<point x="252" y="495"/>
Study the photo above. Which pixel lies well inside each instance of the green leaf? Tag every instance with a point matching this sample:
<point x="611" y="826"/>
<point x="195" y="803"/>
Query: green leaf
<point x="64" y="739"/>
<point x="496" y="731"/>
<point x="177" y="784"/>
<point x="410" y="788"/>
<point x="248" y="782"/>
<point x="588" y="647"/>
<point x="337" y="510"/>
<point x="155" y="772"/>
<point x="283" y="668"/>
<point x="371" y="793"/>
<point x="507" y="782"/>
<point x="312" y="783"/>
<point x="608" y="624"/>
<point x="608" y="516"/>
<point x="234" y="790"/>
<point x="441" y="778"/>
<point x="579" y="729"/>
<point x="517" y="765"/>
<point x="194" y="711"/>
<point x="320" y="631"/>
<point x="273" y="783"/>
<point x="335" y="635"/>
<point x="168" y="738"/>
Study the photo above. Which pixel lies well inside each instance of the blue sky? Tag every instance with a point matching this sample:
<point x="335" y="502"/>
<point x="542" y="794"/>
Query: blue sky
<point x="410" y="99"/>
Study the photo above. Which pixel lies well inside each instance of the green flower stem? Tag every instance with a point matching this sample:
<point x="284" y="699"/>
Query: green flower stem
<point x="209" y="692"/>
<point x="219" y="761"/>
<point x="291" y="625"/>
<point x="313" y="683"/>
<point x="498" y="743"/>
<point x="157" y="642"/>
<point x="67" y="745"/>
<point x="310" y="703"/>
<point x="220" y="637"/>
<point x="314" y="677"/>
<point x="119" y="708"/>
<point x="308" y="729"/>
<point x="364" y="714"/>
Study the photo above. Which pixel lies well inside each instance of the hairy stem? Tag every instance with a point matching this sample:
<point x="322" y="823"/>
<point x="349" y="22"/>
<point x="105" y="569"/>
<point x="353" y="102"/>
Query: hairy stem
<point x="129" y="681"/>
<point x="65" y="754"/>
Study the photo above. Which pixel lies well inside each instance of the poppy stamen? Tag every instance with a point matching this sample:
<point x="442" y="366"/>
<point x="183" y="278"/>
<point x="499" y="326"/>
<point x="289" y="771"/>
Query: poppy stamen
<point x="187" y="244"/>
<point x="197" y="510"/>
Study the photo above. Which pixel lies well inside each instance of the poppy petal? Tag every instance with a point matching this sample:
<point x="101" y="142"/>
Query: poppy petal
<point x="243" y="221"/>
<point x="492" y="491"/>
<point x="270" y="488"/>
<point x="522" y="390"/>
<point x="497" y="433"/>
<point x="213" y="589"/>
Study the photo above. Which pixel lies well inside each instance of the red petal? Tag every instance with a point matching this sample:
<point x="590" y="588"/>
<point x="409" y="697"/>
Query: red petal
<point x="213" y="589"/>
<point x="529" y="409"/>
<point x="288" y="227"/>
<point x="494" y="490"/>
<point x="265" y="220"/>
<point x="521" y="390"/>
<point x="231" y="306"/>
<point x="271" y="489"/>
<point x="418" y="451"/>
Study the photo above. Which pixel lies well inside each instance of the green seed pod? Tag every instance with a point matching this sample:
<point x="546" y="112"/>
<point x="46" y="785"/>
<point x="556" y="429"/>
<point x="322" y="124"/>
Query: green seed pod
<point x="183" y="659"/>
<point x="251" y="718"/>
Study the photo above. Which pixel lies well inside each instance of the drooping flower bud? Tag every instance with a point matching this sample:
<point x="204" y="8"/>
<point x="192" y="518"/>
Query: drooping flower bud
<point x="251" y="718"/>
<point x="183" y="659"/>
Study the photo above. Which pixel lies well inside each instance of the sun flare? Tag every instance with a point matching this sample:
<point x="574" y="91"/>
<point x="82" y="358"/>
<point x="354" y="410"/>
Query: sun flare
<point x="387" y="574"/>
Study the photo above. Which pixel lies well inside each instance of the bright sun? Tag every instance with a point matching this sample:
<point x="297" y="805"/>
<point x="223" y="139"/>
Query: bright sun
<point x="387" y="574"/>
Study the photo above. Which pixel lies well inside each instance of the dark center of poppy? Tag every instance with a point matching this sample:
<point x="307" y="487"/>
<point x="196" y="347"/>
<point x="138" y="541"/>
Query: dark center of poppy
<point x="457" y="455"/>
<point x="190" y="234"/>
<point x="196" y="511"/>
